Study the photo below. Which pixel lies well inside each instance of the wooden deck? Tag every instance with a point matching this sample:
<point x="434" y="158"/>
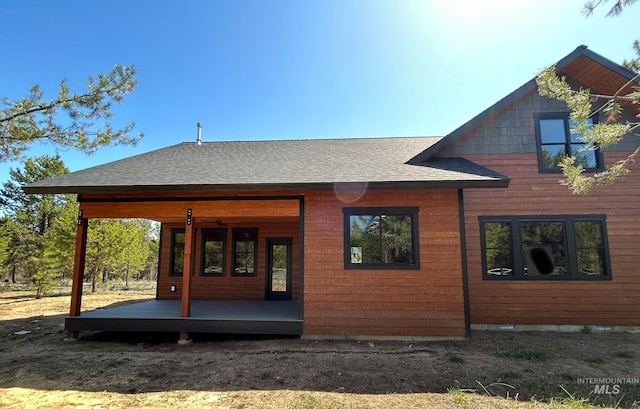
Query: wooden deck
<point x="223" y="317"/>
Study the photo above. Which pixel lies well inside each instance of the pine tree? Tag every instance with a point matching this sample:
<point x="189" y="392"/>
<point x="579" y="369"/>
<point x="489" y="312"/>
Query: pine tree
<point x="31" y="216"/>
<point x="59" y="247"/>
<point x="67" y="120"/>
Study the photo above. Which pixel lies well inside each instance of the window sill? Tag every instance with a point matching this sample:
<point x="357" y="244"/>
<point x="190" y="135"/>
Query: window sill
<point x="388" y="267"/>
<point x="549" y="279"/>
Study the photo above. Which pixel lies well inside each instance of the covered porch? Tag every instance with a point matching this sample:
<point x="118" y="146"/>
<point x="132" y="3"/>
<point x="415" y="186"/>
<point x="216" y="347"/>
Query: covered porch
<point x="220" y="317"/>
<point x="196" y="297"/>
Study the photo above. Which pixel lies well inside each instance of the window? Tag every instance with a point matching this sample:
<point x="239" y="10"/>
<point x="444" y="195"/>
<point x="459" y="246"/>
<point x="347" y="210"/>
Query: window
<point x="498" y="250"/>
<point x="214" y="249"/>
<point x="176" y="264"/>
<point x="555" y="141"/>
<point x="245" y="250"/>
<point x="381" y="238"/>
<point x="544" y="247"/>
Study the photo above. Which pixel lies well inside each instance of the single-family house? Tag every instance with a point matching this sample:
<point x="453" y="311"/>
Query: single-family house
<point x="402" y="237"/>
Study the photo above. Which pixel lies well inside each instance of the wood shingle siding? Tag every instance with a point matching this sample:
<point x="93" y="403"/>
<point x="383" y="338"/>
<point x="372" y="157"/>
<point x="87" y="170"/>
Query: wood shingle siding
<point x="424" y="302"/>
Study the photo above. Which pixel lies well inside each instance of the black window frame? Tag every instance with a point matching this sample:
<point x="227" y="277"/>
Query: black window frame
<point x="567" y="142"/>
<point x="518" y="258"/>
<point x="222" y="233"/>
<point x="413" y="212"/>
<point x="241" y="235"/>
<point x="172" y="272"/>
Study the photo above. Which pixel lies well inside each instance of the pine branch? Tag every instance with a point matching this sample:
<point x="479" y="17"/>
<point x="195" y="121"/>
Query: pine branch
<point x="32" y="119"/>
<point x="79" y="99"/>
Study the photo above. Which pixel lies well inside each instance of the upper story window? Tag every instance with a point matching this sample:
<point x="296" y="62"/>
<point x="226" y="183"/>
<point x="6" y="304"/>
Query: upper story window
<point x="176" y="263"/>
<point x="381" y="238"/>
<point x="545" y="247"/>
<point x="555" y="141"/>
<point x="245" y="252"/>
<point x="214" y="249"/>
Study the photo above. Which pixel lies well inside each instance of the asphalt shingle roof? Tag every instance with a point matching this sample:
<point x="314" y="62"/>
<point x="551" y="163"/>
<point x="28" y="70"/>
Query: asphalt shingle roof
<point x="272" y="164"/>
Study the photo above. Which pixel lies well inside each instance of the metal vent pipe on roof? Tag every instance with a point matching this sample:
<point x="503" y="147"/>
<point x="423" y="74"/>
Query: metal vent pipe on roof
<point x="199" y="140"/>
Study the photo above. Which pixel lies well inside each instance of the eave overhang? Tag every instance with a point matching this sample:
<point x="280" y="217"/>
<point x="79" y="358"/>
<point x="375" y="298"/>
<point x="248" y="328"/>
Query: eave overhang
<point x="502" y="182"/>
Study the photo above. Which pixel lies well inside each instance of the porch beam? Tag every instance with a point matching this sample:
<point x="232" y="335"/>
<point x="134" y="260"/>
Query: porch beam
<point x="206" y="208"/>
<point x="78" y="269"/>
<point x="301" y="241"/>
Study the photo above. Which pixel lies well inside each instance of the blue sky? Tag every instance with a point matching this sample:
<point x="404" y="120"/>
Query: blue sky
<point x="257" y="69"/>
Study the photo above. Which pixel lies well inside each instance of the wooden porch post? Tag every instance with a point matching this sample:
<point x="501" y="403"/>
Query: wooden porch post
<point x="78" y="270"/>
<point x="186" y="272"/>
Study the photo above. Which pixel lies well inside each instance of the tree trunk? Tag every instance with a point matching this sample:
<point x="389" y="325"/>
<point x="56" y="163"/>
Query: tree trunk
<point x="94" y="278"/>
<point x="126" y="279"/>
<point x="13" y="274"/>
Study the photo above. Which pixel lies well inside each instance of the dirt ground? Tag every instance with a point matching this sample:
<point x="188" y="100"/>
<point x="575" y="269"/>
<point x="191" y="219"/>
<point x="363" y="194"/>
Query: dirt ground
<point x="38" y="368"/>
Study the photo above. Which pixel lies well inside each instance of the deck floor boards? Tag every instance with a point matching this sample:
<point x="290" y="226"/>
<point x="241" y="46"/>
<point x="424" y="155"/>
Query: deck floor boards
<point x="246" y="317"/>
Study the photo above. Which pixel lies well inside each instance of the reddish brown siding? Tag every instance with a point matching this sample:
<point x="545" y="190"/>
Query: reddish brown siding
<point x="424" y="302"/>
<point x="612" y="302"/>
<point x="227" y="287"/>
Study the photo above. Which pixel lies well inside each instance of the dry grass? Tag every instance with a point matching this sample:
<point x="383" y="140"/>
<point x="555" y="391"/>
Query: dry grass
<point x="40" y="370"/>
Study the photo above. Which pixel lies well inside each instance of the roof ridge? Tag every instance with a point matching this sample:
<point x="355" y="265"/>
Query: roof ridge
<point x="364" y="138"/>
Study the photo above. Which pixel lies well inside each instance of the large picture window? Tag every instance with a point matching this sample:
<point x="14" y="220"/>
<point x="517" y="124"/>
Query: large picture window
<point x="176" y="264"/>
<point x="545" y="247"/>
<point x="245" y="250"/>
<point x="556" y="141"/>
<point x="381" y="238"/>
<point x="214" y="249"/>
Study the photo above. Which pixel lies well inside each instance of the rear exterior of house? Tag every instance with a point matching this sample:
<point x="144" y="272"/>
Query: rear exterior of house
<point x="336" y="241"/>
<point x="381" y="237"/>
<point x="593" y="239"/>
